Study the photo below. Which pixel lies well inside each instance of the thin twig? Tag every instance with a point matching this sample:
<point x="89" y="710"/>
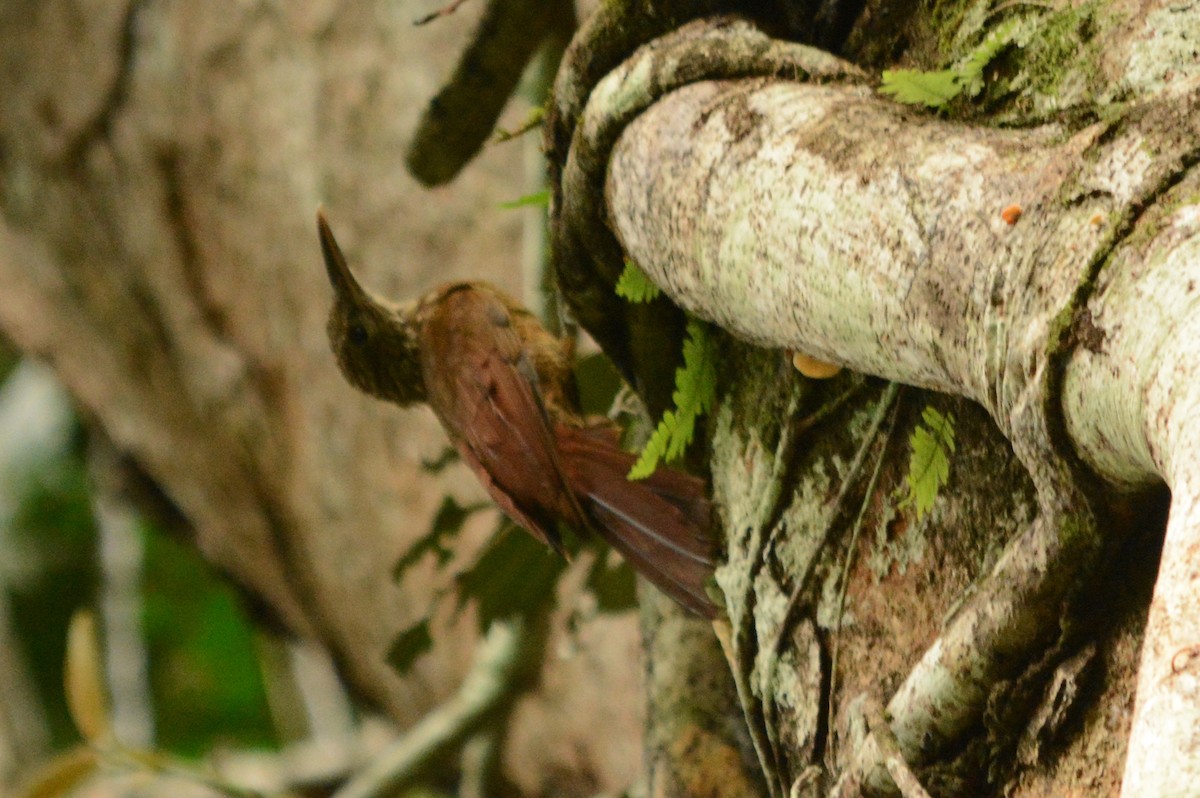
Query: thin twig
<point x="793" y="605"/>
<point x="531" y="122"/>
<point x="126" y="658"/>
<point x="906" y="781"/>
<point x="830" y="746"/>
<point x="138" y="761"/>
<point x="486" y="687"/>
<point x="444" y="11"/>
<point x="480" y="764"/>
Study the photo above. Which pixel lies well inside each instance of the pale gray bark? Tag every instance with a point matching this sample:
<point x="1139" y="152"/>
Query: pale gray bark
<point x="829" y="220"/>
<point x="860" y="261"/>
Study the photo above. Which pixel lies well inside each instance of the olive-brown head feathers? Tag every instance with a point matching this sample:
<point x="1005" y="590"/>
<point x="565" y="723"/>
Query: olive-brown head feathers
<point x="374" y="341"/>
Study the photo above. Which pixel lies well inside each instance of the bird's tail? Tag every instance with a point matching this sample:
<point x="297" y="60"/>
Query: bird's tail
<point x="661" y="524"/>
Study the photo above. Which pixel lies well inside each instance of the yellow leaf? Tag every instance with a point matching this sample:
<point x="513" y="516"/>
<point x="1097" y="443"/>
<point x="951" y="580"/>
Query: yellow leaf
<point x="84" y="679"/>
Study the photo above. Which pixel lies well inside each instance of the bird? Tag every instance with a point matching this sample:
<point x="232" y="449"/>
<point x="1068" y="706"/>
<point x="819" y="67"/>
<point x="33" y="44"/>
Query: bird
<point x="503" y="389"/>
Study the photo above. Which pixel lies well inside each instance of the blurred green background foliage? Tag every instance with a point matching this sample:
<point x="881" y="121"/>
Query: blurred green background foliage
<point x="206" y="682"/>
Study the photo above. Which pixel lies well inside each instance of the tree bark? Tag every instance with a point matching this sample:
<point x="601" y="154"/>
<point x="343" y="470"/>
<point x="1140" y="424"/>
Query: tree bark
<point x="158" y="172"/>
<point x="1045" y="273"/>
<point x="160" y="166"/>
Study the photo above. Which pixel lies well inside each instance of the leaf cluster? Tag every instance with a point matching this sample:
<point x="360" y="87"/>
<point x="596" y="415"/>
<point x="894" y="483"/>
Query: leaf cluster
<point x="695" y="388"/>
<point x="938" y="88"/>
<point x="695" y="382"/>
<point x="932" y="443"/>
<point x="635" y="286"/>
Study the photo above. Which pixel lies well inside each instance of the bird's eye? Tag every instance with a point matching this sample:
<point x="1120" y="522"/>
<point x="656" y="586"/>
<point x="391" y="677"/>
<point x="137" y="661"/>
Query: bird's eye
<point x="357" y="334"/>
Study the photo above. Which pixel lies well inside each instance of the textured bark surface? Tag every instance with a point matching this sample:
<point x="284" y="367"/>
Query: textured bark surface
<point x="960" y="257"/>
<point x="160" y="164"/>
<point x="159" y="168"/>
<point x="697" y="741"/>
<point x="822" y="219"/>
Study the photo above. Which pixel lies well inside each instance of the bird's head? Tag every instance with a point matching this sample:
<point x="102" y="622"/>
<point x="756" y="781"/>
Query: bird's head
<point x="374" y="341"/>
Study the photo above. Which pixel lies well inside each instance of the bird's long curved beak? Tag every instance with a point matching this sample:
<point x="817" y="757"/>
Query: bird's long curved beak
<point x="344" y="284"/>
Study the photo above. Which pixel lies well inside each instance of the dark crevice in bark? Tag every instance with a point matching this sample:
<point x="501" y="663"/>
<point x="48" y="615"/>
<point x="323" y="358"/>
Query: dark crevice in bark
<point x="170" y="166"/>
<point x="1122" y="585"/>
<point x="159" y="335"/>
<point x="822" y="748"/>
<point x="824" y="403"/>
<point x="100" y="125"/>
<point x="1074" y="320"/>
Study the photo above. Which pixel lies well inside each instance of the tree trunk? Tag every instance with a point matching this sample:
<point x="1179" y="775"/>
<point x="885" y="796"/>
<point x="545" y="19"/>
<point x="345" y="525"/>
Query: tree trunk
<point x="1032" y="262"/>
<point x="160" y="167"/>
<point x="1047" y="274"/>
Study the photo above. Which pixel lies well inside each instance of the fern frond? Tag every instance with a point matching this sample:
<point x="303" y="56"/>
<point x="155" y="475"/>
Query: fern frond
<point x="932" y="443"/>
<point x="635" y="286"/>
<point x="938" y="89"/>
<point x="913" y="87"/>
<point x="695" y="389"/>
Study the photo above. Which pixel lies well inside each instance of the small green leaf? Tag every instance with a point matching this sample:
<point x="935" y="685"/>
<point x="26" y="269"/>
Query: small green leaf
<point x="932" y="443"/>
<point x="695" y="389"/>
<point x="635" y="286"/>
<point x="512" y="576"/>
<point x="539" y="199"/>
<point x="696" y="382"/>
<point x="931" y="89"/>
<point x="408" y="645"/>
<point x="447" y="522"/>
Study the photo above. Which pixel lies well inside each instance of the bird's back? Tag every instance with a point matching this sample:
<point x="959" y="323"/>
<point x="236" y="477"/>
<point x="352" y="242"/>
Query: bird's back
<point x="483" y="384"/>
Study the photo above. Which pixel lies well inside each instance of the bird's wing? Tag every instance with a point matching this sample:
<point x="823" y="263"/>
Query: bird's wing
<point x="660" y="524"/>
<point x="484" y="390"/>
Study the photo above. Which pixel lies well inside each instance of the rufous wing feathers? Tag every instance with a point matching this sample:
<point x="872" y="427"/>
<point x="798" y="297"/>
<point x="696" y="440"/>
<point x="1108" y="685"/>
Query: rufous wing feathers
<point x="660" y="524"/>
